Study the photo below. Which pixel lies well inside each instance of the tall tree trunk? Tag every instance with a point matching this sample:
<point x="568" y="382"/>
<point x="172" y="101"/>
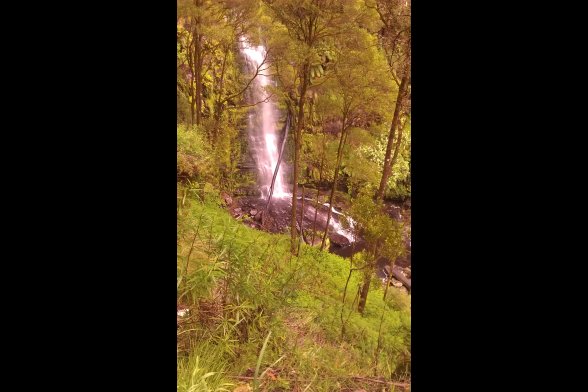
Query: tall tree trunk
<point x="198" y="76"/>
<point x="192" y="101"/>
<point x="302" y="210"/>
<point x="379" y="346"/>
<point x="318" y="190"/>
<point x="387" y="170"/>
<point x="365" y="288"/>
<point x="271" y="189"/>
<point x="218" y="111"/>
<point x="302" y="239"/>
<point x="297" y="144"/>
<point x="191" y="88"/>
<point x="397" y="148"/>
<point x="335" y="179"/>
<point x="198" y="59"/>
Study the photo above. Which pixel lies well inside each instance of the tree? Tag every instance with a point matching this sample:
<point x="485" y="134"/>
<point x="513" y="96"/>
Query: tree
<point x="193" y="17"/>
<point x="359" y="85"/>
<point x="207" y="33"/>
<point x="388" y="160"/>
<point x="383" y="236"/>
<point x="308" y="24"/>
<point x="395" y="39"/>
<point x="211" y="84"/>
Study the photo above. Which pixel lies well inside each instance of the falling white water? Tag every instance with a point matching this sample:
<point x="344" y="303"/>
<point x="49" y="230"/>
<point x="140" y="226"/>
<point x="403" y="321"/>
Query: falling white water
<point x="339" y="229"/>
<point x="264" y="139"/>
<point x="336" y="225"/>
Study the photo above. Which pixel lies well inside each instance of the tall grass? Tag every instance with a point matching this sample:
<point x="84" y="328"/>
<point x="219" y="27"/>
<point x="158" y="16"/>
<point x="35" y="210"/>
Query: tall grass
<point x="242" y="283"/>
<point x="203" y="370"/>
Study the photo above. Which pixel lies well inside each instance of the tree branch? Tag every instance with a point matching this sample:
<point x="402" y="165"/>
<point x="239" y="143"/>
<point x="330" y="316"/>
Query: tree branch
<point x="266" y="99"/>
<point x="257" y="71"/>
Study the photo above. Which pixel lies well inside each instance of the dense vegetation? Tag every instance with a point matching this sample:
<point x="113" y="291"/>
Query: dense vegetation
<point x="265" y="310"/>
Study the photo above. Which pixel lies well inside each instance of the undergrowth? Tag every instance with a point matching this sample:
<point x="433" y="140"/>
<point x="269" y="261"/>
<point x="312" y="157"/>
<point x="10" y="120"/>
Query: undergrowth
<point x="242" y="286"/>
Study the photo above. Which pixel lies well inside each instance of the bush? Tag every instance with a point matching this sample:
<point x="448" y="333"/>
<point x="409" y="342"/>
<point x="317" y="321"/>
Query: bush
<point x="193" y="153"/>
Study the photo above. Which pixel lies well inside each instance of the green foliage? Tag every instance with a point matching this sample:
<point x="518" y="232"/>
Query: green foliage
<point x="255" y="285"/>
<point x="202" y="370"/>
<point x="240" y="283"/>
<point x="193" y="153"/>
<point x="382" y="233"/>
<point x="399" y="181"/>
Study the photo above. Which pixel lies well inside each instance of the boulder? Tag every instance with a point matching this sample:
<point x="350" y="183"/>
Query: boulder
<point x="406" y="272"/>
<point x="338" y="239"/>
<point x="396" y="283"/>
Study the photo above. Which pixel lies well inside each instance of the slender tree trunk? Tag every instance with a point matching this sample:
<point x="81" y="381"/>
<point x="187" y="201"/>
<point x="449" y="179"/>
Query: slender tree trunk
<point x="318" y="191"/>
<point x="302" y="239"/>
<point x="198" y="76"/>
<point x="387" y="170"/>
<point x="198" y="59"/>
<point x="365" y="288"/>
<point x="218" y="104"/>
<point x="302" y="210"/>
<point x="271" y="189"/>
<point x="191" y="88"/>
<point x="335" y="179"/>
<point x="315" y="215"/>
<point x="397" y="148"/>
<point x="378" y="348"/>
<point x="297" y="144"/>
<point x="192" y="100"/>
<point x="351" y="269"/>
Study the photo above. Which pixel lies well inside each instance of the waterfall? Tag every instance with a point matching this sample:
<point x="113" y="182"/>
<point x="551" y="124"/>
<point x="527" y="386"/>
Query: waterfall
<point x="263" y="136"/>
<point x="264" y="139"/>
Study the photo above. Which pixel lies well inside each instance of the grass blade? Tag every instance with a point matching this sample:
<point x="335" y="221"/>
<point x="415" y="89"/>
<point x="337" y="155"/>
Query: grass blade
<point x="255" y="379"/>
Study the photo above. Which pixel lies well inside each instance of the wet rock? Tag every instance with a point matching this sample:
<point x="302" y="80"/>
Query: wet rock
<point x="407" y="273"/>
<point x="395" y="212"/>
<point x="227" y="199"/>
<point x="396" y="283"/>
<point x="339" y="239"/>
